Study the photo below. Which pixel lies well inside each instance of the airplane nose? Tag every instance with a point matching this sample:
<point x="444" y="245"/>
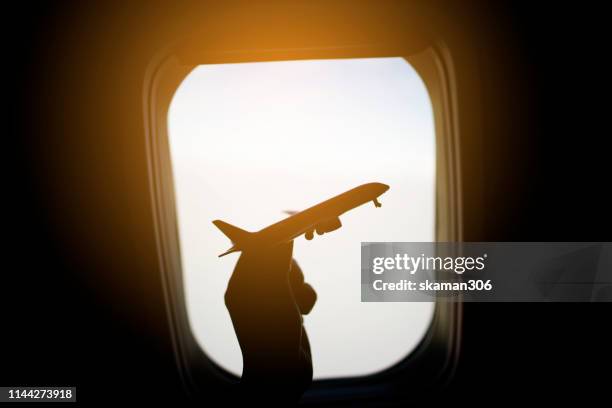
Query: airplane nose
<point x="383" y="187"/>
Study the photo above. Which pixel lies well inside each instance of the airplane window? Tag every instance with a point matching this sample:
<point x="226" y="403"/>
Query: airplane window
<point x="249" y="141"/>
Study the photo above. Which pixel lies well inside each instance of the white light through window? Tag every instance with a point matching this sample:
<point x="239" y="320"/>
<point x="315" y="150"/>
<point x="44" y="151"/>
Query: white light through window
<point x="251" y="140"/>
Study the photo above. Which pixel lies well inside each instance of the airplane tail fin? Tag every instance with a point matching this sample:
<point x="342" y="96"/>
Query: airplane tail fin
<point x="235" y="234"/>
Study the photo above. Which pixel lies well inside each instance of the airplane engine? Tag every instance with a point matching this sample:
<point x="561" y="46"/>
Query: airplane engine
<point x="328" y="225"/>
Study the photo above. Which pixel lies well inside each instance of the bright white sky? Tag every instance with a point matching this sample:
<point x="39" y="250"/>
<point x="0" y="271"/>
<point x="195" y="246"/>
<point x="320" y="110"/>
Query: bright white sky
<point x="251" y="140"/>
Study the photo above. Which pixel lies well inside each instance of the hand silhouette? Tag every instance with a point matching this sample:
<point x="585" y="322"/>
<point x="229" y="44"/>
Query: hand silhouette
<point x="266" y="297"/>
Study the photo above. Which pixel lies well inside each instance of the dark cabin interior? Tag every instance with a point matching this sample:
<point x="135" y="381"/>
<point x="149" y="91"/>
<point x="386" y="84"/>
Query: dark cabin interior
<point x="82" y="300"/>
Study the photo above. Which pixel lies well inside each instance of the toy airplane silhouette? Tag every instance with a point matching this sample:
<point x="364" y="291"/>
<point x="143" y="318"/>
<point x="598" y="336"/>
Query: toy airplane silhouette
<point x="323" y="217"/>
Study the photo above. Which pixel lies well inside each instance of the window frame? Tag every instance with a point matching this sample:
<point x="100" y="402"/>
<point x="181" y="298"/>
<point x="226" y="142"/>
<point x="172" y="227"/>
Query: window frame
<point x="433" y="360"/>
